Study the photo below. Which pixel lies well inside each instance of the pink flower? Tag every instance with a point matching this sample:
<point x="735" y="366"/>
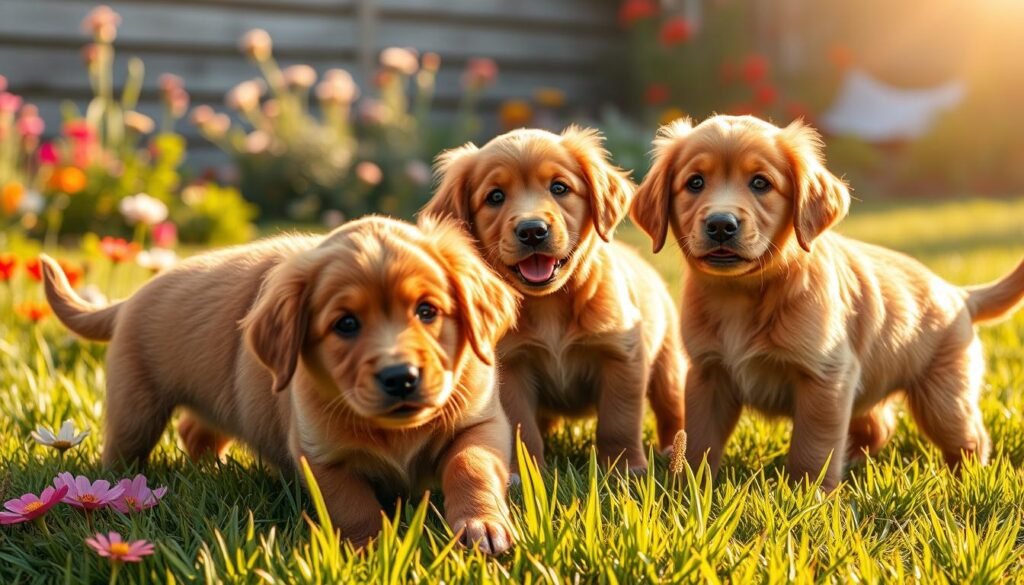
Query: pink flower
<point x="48" y="154"/>
<point x="480" y="73"/>
<point x="29" y="506"/>
<point x="165" y="235"/>
<point x="9" y="103"/>
<point x="102" y="22"/>
<point x="88" y="496"/>
<point x="369" y="173"/>
<point x="79" y="130"/>
<point x="29" y="122"/>
<point x="119" y="550"/>
<point x="137" y="496"/>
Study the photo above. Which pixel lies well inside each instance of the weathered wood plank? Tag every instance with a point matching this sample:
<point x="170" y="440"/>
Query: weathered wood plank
<point x="55" y="71"/>
<point x="213" y="29"/>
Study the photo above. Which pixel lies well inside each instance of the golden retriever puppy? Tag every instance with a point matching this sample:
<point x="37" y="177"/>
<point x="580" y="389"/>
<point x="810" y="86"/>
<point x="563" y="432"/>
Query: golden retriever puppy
<point x="787" y="317"/>
<point x="369" y="351"/>
<point x="595" y="327"/>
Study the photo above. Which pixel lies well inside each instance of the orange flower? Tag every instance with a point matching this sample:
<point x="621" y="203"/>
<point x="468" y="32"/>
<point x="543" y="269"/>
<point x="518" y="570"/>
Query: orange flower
<point x="841" y="56"/>
<point x="550" y="97"/>
<point x="73" y="271"/>
<point x="7" y="263"/>
<point x="33" y="311"/>
<point x="515" y="114"/>
<point x="11" y="196"/>
<point x="34" y="269"/>
<point x="68" y="180"/>
<point x="118" y="250"/>
<point x="671" y="115"/>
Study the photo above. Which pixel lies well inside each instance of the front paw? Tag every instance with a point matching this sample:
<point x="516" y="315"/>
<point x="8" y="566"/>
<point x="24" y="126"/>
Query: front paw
<point x="489" y="534"/>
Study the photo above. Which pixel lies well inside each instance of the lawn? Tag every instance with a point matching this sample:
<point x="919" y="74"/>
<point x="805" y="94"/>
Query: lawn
<point x="900" y="517"/>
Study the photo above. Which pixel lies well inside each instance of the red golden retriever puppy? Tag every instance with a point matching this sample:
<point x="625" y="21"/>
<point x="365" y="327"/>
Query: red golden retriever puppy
<point x="595" y="329"/>
<point x="369" y="351"/>
<point x="785" y="316"/>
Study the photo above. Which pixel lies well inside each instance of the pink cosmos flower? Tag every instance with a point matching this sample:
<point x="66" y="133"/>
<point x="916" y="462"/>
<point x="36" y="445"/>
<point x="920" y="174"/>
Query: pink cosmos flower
<point x="165" y="235"/>
<point x="85" y="495"/>
<point x="9" y="103"/>
<point x="119" y="550"/>
<point x="29" y="506"/>
<point x="137" y="495"/>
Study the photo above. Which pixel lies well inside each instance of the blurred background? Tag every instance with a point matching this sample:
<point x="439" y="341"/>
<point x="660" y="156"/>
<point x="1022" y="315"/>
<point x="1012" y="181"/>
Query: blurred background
<point x="227" y="113"/>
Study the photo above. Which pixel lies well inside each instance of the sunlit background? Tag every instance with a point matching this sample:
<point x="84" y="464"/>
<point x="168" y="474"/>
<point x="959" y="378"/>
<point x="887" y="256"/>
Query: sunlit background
<point x="916" y="98"/>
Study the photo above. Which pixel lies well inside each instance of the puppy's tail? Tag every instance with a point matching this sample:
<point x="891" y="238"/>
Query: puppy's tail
<point x="999" y="299"/>
<point x="80" y="316"/>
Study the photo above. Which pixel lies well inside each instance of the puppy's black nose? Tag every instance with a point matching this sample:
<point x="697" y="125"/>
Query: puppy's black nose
<point x="721" y="227"/>
<point x="532" y="232"/>
<point x="398" y="381"/>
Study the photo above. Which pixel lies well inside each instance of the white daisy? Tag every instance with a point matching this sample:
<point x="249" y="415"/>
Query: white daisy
<point x="63" y="440"/>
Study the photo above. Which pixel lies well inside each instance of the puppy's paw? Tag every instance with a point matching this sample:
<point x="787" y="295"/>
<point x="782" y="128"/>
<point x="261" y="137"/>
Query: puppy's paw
<point x="489" y="534"/>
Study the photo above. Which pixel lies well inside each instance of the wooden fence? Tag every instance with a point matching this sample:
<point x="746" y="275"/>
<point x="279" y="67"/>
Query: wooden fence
<point x="563" y="44"/>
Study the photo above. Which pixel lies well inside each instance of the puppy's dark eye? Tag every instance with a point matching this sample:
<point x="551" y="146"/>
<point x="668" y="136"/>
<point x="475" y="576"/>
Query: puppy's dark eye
<point x="559" y="188"/>
<point x="348" y="326"/>
<point x="695" y="184"/>
<point x="426" y="312"/>
<point x="495" y="198"/>
<point x="760" y="184"/>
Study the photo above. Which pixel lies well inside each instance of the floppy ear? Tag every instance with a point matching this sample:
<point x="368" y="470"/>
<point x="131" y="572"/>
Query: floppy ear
<point x="650" y="209"/>
<point x="820" y="199"/>
<point x="452" y="169"/>
<point x="275" y="327"/>
<point x="609" y="186"/>
<point x="488" y="307"/>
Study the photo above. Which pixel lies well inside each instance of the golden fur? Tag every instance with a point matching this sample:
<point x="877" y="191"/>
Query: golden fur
<point x="597" y="335"/>
<point x="803" y="322"/>
<point x="245" y="340"/>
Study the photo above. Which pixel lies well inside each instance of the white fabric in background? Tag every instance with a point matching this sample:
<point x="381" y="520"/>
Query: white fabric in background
<point x="874" y="111"/>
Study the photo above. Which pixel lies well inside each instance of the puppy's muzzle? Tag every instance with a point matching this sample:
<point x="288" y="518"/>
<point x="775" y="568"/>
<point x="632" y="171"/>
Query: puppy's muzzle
<point x="721" y="227"/>
<point x="399" y="381"/>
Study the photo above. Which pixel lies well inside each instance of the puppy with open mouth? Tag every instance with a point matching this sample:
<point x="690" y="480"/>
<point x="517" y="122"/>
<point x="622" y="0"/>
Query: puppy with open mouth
<point x="783" y="315"/>
<point x="595" y="330"/>
<point x="369" y="351"/>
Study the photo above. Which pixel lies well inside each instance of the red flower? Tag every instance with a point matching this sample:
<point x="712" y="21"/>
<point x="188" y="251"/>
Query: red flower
<point x="657" y="93"/>
<point x="34" y="269"/>
<point x="118" y="249"/>
<point x="71" y="270"/>
<point x="32" y="311"/>
<point x="766" y="95"/>
<point x="755" y="68"/>
<point x="675" y="31"/>
<point x="7" y="263"/>
<point x="634" y="10"/>
<point x="79" y="130"/>
<point x="48" y="154"/>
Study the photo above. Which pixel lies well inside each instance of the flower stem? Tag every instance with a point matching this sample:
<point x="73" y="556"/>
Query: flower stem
<point x="41" y="523"/>
<point x="115" y="569"/>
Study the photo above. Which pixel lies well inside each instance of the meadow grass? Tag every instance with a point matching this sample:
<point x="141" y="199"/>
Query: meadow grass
<point x="899" y="517"/>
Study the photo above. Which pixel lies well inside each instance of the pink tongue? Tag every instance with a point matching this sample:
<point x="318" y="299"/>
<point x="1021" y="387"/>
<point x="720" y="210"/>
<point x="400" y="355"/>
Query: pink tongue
<point x="537" y="268"/>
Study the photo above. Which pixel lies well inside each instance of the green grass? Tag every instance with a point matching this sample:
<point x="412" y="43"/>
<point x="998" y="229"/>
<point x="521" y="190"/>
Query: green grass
<point x="900" y="517"/>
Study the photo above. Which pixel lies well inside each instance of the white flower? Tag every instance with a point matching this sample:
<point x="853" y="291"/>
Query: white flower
<point x="157" y="259"/>
<point x="63" y="440"/>
<point x="32" y="202"/>
<point x="142" y="208"/>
